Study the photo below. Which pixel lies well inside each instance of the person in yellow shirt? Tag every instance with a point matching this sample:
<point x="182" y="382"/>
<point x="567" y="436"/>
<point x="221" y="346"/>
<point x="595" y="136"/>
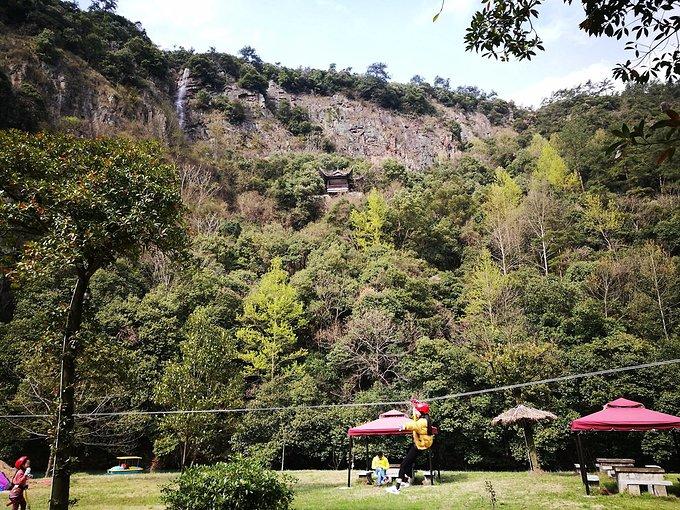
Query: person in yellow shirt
<point x="380" y="465"/>
<point x="421" y="427"/>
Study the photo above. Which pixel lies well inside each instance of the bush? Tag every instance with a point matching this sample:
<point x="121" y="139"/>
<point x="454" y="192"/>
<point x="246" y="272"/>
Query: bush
<point x="46" y="46"/>
<point x="295" y="118"/>
<point x="240" y="484"/>
<point x="202" y="100"/>
<point x="205" y="71"/>
<point x="252" y="80"/>
<point x="233" y="110"/>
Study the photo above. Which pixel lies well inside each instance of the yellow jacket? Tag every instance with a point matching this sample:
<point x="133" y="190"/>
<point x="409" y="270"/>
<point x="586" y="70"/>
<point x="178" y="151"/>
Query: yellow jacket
<point x="420" y="437"/>
<point x="380" y="463"/>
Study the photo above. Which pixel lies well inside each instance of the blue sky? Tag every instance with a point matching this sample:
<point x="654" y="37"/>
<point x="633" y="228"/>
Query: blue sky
<point x="355" y="33"/>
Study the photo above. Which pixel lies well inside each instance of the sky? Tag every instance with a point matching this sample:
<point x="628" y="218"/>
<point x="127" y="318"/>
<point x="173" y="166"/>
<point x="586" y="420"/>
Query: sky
<point x="356" y="33"/>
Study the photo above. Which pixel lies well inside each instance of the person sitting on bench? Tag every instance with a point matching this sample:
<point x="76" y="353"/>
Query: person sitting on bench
<point x="380" y="465"/>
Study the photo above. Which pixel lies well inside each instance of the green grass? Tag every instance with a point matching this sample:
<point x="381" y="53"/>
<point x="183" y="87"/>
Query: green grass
<point x="325" y="489"/>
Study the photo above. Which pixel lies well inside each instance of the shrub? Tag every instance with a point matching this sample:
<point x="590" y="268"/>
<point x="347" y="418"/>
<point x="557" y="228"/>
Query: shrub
<point x="295" y="118"/>
<point x="252" y="80"/>
<point x="205" y="71"/>
<point x="202" y="100"/>
<point x="46" y="46"/>
<point x="233" y="110"/>
<point x="456" y="131"/>
<point x="240" y="484"/>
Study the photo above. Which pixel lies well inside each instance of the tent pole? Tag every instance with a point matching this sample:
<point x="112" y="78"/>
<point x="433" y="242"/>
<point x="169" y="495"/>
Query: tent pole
<point x="368" y="465"/>
<point x="439" y="464"/>
<point x="582" y="463"/>
<point x="349" y="462"/>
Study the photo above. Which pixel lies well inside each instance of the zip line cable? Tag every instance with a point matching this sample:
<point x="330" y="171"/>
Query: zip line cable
<point x="450" y="396"/>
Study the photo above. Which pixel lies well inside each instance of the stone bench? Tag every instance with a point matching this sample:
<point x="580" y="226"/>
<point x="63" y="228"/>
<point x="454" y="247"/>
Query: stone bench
<point x="655" y="487"/>
<point x="630" y="479"/>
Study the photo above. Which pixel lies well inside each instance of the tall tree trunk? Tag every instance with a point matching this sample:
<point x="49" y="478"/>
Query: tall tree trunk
<point x="652" y="265"/>
<point x="6" y="300"/>
<point x="50" y="464"/>
<point x="63" y="446"/>
<point x="531" y="447"/>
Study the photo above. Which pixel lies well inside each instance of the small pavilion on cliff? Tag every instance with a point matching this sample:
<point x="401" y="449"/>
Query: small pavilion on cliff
<point x="339" y="180"/>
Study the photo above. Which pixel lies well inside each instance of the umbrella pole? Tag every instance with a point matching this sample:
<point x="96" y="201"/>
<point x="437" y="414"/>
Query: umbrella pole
<point x="582" y="463"/>
<point x="429" y="458"/>
<point x="349" y="462"/>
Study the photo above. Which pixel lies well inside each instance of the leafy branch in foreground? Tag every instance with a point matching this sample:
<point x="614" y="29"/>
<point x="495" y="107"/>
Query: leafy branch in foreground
<point x="664" y="133"/>
<point x="502" y="29"/>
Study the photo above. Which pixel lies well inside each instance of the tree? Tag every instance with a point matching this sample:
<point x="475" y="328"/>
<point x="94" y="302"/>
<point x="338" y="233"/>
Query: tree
<point x="272" y="315"/>
<point x="207" y="377"/>
<point x="658" y="276"/>
<point x="602" y="217"/>
<point x="46" y="46"/>
<point x="104" y="5"/>
<point x="378" y="70"/>
<point x="368" y="224"/>
<point x="501" y="218"/>
<point x="76" y="205"/>
<point x="443" y="83"/>
<point x="487" y="292"/>
<point x="249" y="54"/>
<point x="252" y="80"/>
<point x="506" y="28"/>
<point x="539" y="209"/>
<point x="370" y="349"/>
<point x="550" y="167"/>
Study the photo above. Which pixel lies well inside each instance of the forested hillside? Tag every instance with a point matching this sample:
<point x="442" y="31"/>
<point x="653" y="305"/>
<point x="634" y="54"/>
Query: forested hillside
<point x="484" y="245"/>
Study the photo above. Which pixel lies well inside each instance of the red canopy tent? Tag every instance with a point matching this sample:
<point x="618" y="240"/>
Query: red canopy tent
<point x="626" y="415"/>
<point x="621" y="415"/>
<point x="390" y="423"/>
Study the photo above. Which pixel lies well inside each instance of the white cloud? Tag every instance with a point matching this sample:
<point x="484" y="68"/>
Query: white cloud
<point x="533" y="94"/>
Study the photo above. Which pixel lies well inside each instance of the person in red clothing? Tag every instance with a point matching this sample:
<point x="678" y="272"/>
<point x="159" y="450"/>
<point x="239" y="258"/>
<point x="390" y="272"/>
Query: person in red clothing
<point x="20" y="483"/>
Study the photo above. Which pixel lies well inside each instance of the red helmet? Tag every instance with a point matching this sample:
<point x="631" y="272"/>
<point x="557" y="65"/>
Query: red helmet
<point x="421" y="407"/>
<point x="20" y="462"/>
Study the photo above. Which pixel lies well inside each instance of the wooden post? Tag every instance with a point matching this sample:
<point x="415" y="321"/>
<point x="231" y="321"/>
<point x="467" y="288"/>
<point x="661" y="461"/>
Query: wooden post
<point x="531" y="447"/>
<point x="582" y="463"/>
<point x="349" y="463"/>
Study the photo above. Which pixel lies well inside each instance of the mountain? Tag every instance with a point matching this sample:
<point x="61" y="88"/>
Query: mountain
<point x="485" y="245"/>
<point x="127" y="85"/>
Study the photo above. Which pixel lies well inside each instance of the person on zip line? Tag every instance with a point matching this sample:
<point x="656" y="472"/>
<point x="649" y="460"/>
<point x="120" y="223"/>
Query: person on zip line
<point x="421" y="426"/>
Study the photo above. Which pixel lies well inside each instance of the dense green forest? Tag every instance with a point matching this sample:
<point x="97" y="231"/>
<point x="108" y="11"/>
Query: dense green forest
<point x="532" y="254"/>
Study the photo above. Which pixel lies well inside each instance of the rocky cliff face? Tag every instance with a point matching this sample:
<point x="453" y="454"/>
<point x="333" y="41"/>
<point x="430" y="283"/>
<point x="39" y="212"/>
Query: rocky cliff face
<point x="352" y="126"/>
<point x="80" y="99"/>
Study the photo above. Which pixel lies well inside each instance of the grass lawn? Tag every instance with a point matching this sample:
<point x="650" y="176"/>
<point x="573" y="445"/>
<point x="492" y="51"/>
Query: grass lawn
<point x="325" y="490"/>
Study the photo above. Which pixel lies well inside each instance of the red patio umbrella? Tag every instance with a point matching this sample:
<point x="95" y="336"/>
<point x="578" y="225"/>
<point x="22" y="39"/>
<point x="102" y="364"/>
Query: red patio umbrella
<point x="621" y="415"/>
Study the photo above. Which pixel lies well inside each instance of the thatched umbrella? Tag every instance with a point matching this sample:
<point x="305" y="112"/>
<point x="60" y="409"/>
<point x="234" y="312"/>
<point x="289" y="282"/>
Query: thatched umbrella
<point x="526" y="417"/>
